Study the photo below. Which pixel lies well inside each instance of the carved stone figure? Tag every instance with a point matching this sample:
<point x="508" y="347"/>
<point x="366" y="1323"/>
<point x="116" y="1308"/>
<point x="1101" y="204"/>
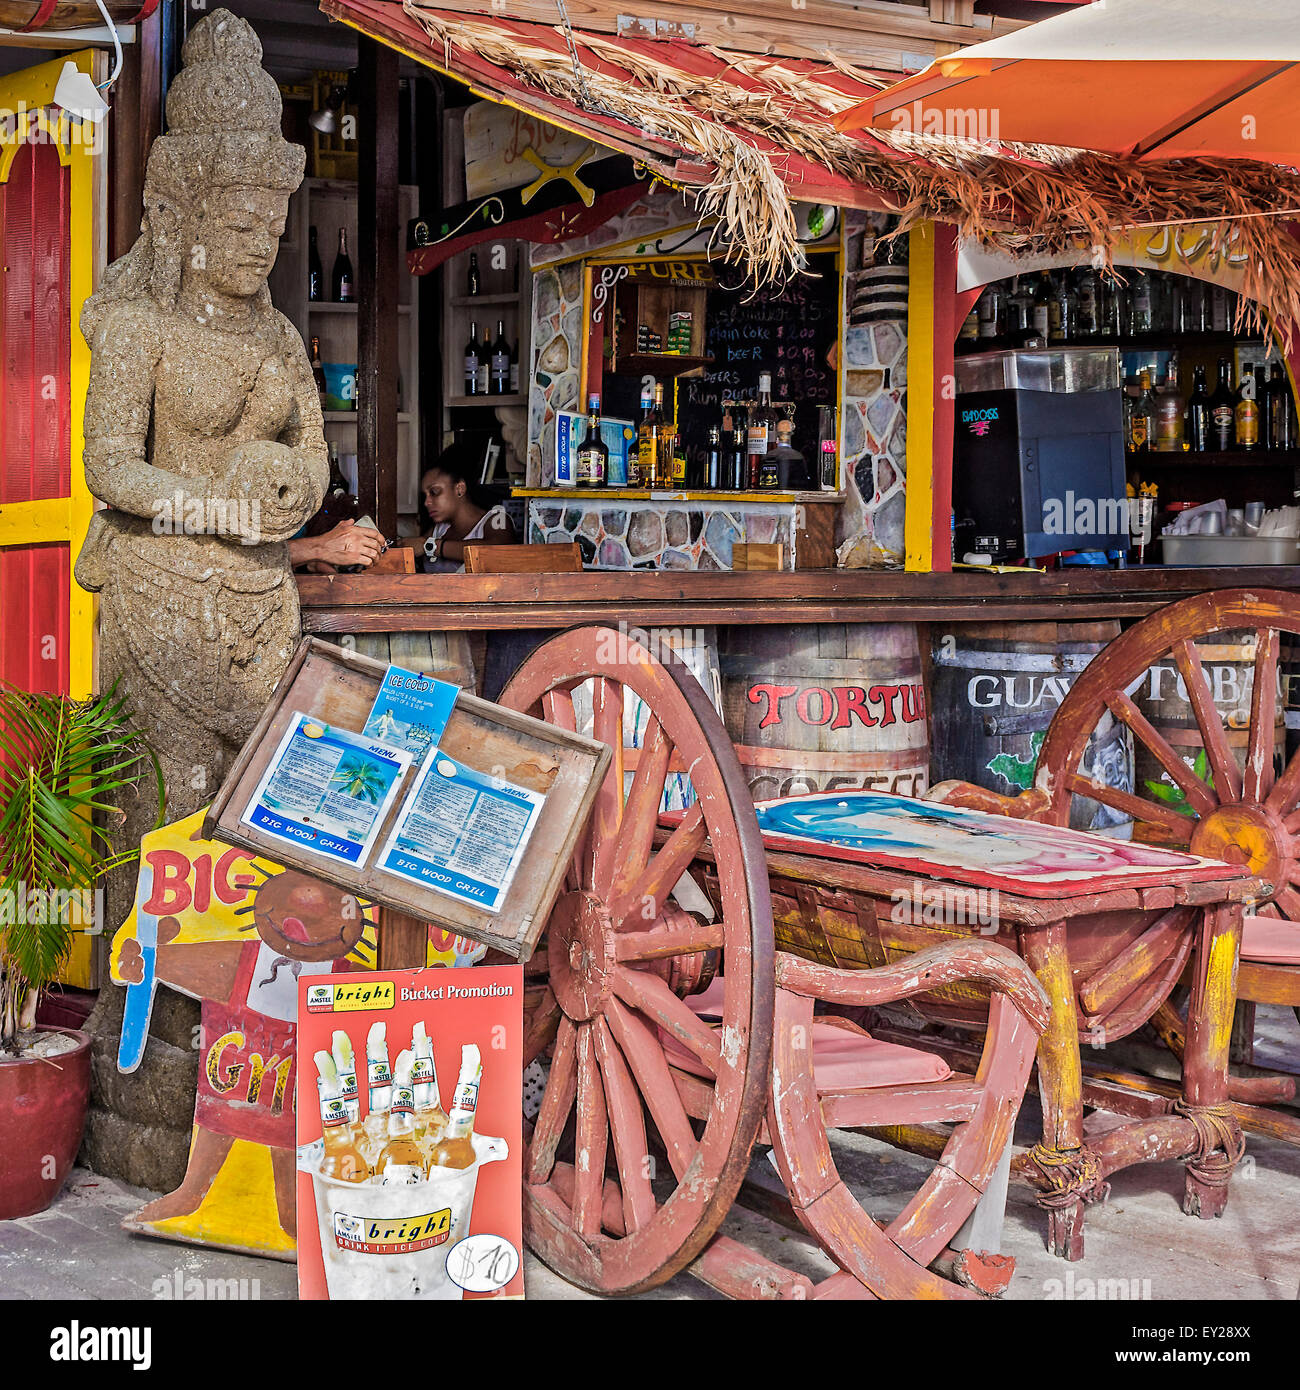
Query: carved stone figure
<point x="204" y="435"/>
<point x="203" y="425"/>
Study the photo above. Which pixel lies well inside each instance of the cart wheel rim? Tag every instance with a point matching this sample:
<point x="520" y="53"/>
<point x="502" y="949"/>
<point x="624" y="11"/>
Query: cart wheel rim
<point x="607" y="1006"/>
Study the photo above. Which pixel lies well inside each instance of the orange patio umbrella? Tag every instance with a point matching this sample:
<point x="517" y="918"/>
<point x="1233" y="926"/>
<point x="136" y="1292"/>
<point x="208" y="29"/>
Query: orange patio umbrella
<point x="1153" y="79"/>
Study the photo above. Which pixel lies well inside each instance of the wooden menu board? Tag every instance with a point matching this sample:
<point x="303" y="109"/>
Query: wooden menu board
<point x="339" y="687"/>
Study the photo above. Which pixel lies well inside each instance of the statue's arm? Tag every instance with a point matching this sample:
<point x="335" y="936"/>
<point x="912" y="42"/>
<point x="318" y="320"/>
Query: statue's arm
<point x="125" y="352"/>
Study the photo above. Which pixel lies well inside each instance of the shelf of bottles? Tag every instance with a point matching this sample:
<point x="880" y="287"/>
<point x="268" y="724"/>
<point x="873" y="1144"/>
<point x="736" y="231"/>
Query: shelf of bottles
<point x="487" y="329"/>
<point x="1195" y="392"/>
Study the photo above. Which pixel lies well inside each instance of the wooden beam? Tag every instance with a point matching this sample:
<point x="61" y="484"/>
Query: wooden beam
<point x="135" y="122"/>
<point x="377" y="270"/>
<point x="895" y="38"/>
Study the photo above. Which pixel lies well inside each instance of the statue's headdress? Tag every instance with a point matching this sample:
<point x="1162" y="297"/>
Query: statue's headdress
<point x="223" y="129"/>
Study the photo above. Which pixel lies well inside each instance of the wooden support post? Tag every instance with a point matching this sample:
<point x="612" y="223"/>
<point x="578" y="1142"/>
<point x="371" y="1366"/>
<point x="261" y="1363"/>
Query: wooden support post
<point x="377" y="252"/>
<point x="403" y="941"/>
<point x="931" y="329"/>
<point x="135" y="123"/>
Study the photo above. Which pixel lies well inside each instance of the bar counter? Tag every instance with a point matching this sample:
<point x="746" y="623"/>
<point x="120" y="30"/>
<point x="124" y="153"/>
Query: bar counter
<point x="357" y="603"/>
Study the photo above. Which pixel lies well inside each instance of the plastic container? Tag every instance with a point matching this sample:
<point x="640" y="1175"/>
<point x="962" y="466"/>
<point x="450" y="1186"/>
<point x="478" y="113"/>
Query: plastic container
<point x="1230" y="550"/>
<point x="392" y="1242"/>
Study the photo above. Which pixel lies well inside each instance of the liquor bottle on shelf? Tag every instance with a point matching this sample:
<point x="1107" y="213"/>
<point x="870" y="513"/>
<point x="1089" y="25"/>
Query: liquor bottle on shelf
<point x="400" y="1161"/>
<point x="1061" y="309"/>
<point x="1139" y="303"/>
<point x="1199" y="425"/>
<point x="1110" y="304"/>
<point x="430" y="1117"/>
<point x="1279" y="429"/>
<point x="665" y="444"/>
<point x="343" y="1160"/>
<point x="317" y="371"/>
<point x="593" y="457"/>
<point x="761" y="434"/>
<point x="473" y="285"/>
<point x="456" y="1147"/>
<point x="738" y="462"/>
<point x="474" y="352"/>
<point x="1222" y="409"/>
<point x="712" y="479"/>
<point x="514" y="368"/>
<point x="1246" y="412"/>
<point x="1219" y="320"/>
<point x="1142" y="418"/>
<point x="640" y="457"/>
<point x="342" y="286"/>
<point x="1086" y="294"/>
<point x="315" y="270"/>
<point x="1042" y="313"/>
<point x="499" y="366"/>
<point x="1169" y="413"/>
<point x="783" y="464"/>
<point x="990" y="312"/>
<point x="969" y="331"/>
<point x="1019" y="313"/>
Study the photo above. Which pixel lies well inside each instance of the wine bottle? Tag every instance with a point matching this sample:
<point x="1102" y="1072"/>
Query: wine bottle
<point x="713" y="460"/>
<point x="315" y="270"/>
<point x="317" y="371"/>
<point x="1279" y="430"/>
<point x="500" y="363"/>
<point x="514" y="368"/>
<point x="473" y="355"/>
<point x="342" y="286"/>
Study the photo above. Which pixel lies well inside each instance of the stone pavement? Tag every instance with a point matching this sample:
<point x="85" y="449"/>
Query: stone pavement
<point x="1139" y="1244"/>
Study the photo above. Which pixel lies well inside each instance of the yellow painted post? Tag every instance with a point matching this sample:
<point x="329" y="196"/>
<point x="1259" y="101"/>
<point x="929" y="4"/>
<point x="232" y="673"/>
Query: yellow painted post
<point x="918" y="518"/>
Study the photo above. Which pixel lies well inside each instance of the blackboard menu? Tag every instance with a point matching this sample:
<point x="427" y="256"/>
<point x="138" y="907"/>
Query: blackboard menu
<point x="789" y="332"/>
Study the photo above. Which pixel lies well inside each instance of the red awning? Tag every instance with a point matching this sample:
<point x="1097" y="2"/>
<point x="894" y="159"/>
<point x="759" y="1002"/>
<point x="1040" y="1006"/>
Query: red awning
<point x="480" y="50"/>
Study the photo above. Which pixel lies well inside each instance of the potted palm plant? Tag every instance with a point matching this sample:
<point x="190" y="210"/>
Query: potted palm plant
<point x="61" y="760"/>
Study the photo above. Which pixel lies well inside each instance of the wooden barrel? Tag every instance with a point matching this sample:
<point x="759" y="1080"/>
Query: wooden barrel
<point x="445" y="655"/>
<point x="995" y="688"/>
<point x="827" y="706"/>
<point x="71" y="14"/>
<point x="1228" y="659"/>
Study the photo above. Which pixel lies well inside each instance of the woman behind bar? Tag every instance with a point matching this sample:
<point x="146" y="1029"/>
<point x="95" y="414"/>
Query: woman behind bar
<point x="454" y="511"/>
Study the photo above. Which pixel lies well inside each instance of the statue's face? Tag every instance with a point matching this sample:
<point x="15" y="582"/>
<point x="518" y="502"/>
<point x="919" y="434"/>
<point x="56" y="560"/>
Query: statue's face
<point x="239" y="230"/>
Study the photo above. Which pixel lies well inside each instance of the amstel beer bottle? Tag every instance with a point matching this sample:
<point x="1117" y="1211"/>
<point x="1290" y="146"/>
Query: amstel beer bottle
<point x="456" y="1147"/>
<point x="379" y="1084"/>
<point x="430" y="1117"/>
<point x="400" y="1160"/>
<point x="343" y="1159"/>
<point x="346" y="1065"/>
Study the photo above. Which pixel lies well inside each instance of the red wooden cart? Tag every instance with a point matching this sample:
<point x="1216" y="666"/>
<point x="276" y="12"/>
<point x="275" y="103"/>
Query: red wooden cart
<point x="685" y="1034"/>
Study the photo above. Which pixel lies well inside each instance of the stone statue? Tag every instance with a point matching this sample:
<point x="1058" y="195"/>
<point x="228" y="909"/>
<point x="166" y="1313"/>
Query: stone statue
<point x="203" y="424"/>
<point x="204" y="435"/>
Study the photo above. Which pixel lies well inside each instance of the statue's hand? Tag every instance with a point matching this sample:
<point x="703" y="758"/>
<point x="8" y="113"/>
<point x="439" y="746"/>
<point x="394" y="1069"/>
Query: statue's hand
<point x="272" y="491"/>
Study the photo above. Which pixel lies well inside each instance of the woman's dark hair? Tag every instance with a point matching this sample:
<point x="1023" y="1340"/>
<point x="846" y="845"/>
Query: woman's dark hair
<point x="462" y="462"/>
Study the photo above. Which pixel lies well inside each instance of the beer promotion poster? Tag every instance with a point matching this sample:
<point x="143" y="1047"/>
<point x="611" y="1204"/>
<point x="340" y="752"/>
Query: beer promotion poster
<point x="409" y="1106"/>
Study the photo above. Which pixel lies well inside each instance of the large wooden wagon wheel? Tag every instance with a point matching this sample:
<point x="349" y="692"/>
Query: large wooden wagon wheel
<point x="618" y="955"/>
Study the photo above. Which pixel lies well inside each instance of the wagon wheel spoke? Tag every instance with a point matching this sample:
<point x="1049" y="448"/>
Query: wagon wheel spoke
<point x="557" y="1101"/>
<point x="1227" y="776"/>
<point x="607" y="813"/>
<point x="557" y="708"/>
<point x="627" y="1124"/>
<point x="542" y="1023"/>
<point x="1137" y="806"/>
<point x="1199" y="797"/>
<point x="645" y="899"/>
<point x="1284" y="799"/>
<point x="645" y="1057"/>
<point x="641" y="813"/>
<point x="661" y="1006"/>
<point x="592" y="1138"/>
<point x="678" y="941"/>
<point x="1257" y="780"/>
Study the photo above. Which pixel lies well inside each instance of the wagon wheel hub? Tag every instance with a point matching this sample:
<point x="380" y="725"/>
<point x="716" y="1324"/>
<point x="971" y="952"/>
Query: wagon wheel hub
<point x="1250" y="835"/>
<point x="581" y="955"/>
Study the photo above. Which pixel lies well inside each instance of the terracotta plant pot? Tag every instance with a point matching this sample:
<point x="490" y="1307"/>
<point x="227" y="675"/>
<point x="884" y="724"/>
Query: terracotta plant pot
<point x="42" y="1114"/>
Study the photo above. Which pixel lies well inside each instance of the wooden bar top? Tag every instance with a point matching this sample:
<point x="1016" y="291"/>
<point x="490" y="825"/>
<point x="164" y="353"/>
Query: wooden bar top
<point x="673" y="598"/>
